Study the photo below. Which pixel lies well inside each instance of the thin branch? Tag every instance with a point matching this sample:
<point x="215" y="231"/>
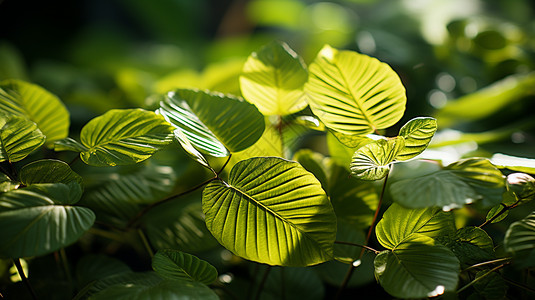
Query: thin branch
<point x="487" y="263"/>
<point x="135" y="219"/>
<point x="504" y="209"/>
<point x="25" y="280"/>
<point x="358" y="245"/>
<point x="65" y="264"/>
<point x="481" y="277"/>
<point x="519" y="285"/>
<point x="74" y="160"/>
<point x="262" y="283"/>
<point x="351" y="268"/>
<point x="145" y="242"/>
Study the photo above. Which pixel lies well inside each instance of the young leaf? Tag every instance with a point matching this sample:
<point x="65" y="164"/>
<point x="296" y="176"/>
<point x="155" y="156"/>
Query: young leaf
<point x="122" y="137"/>
<point x="273" y="79"/>
<point x="271" y="211"/>
<point x="372" y="161"/>
<point x="417" y="268"/>
<point x="18" y="138"/>
<point x="353" y="93"/>
<point x="400" y="223"/>
<point x="48" y="171"/>
<point x="40" y="219"/>
<point x="177" y="265"/>
<point x="417" y="134"/>
<point x="188" y="147"/>
<point x="34" y="103"/>
<point x="520" y="239"/>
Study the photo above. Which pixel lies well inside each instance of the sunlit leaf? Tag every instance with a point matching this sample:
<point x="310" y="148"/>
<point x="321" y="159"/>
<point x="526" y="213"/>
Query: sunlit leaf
<point x="519" y="164"/>
<point x="520" y="239"/>
<point x="48" y="171"/>
<point x="417" y="268"/>
<point x="273" y="79"/>
<point x="18" y="138"/>
<point x="188" y="147"/>
<point x="417" y="134"/>
<point x="341" y="153"/>
<point x="68" y="144"/>
<point x="399" y="223"/>
<point x="215" y="124"/>
<point x="373" y="161"/>
<point x="122" y="137"/>
<point x="34" y="103"/>
<point x="39" y="219"/>
<point x="6" y="184"/>
<point x="353" y="93"/>
<point x="177" y="265"/>
<point x="271" y="211"/>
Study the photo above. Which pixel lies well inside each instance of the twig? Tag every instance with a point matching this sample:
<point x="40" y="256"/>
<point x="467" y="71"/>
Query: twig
<point x="358" y="245"/>
<point x="481" y="277"/>
<point x="74" y="160"/>
<point x="65" y="263"/>
<point x="145" y="242"/>
<point x="25" y="280"/>
<point x="487" y="263"/>
<point x="224" y="165"/>
<point x="519" y="285"/>
<point x="262" y="283"/>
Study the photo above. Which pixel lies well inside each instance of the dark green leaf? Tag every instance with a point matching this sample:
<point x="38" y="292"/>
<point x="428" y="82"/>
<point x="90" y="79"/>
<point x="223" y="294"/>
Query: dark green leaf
<point x="492" y="287"/>
<point x="48" y="171"/>
<point x="520" y="240"/>
<point x="177" y="265"/>
<point x="98" y="266"/>
<point x="299" y="283"/>
<point x="471" y="245"/>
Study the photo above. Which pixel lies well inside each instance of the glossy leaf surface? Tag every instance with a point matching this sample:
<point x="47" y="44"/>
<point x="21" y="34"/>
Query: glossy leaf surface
<point x="48" y="171"/>
<point x="353" y="93"/>
<point x="122" y="137"/>
<point x="271" y="211"/>
<point x="18" y="138"/>
<point x="273" y="79"/>
<point x="372" y="161"/>
<point x="417" y="134"/>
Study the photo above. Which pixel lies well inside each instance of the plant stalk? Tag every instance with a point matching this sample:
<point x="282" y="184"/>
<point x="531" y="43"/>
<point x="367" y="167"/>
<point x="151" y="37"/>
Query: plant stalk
<point x="487" y="263"/>
<point x="262" y="283"/>
<point x="358" y="245"/>
<point x="25" y="280"/>
<point x="482" y="276"/>
<point x="145" y="242"/>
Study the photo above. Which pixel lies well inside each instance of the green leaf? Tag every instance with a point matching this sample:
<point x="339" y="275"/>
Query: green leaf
<point x="520" y="239"/>
<point x="35" y="224"/>
<point x="122" y="137"/>
<point x="132" y="278"/>
<point x="515" y="163"/>
<point x="341" y="153"/>
<point x="34" y="103"/>
<point x="417" y="134"/>
<point x="68" y="144"/>
<point x="273" y="79"/>
<point x="400" y="223"/>
<point x="299" y="283"/>
<point x="271" y="211"/>
<point x="497" y="209"/>
<point x="190" y="150"/>
<point x="18" y="138"/>
<point x="353" y="93"/>
<point x="215" y="124"/>
<point x="177" y="265"/>
<point x="492" y="287"/>
<point x="417" y="268"/>
<point x="6" y="184"/>
<point x="471" y="245"/>
<point x="97" y="266"/>
<point x="522" y="186"/>
<point x="373" y="161"/>
<point x="48" y="171"/>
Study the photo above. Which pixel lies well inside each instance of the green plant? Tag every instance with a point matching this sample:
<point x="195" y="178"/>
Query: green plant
<point x="268" y="210"/>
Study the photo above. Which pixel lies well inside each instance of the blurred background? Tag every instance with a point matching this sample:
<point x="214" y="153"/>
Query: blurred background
<point x="101" y="54"/>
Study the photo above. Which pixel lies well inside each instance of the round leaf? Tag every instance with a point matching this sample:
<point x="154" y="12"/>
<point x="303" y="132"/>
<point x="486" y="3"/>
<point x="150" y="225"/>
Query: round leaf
<point x="35" y="224"/>
<point x="18" y="138"/>
<point x="417" y="134"/>
<point x="353" y="93"/>
<point x="417" y="269"/>
<point x="214" y="123"/>
<point x="273" y="80"/>
<point x="122" y="137"/>
<point x="372" y="161"/>
<point x="34" y="103"/>
<point x="271" y="211"/>
<point x="400" y="223"/>
<point x="177" y="265"/>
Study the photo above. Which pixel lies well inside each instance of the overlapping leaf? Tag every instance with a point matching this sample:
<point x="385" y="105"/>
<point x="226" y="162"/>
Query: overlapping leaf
<point x="121" y="137"/>
<point x="177" y="265"/>
<point x="18" y="138"/>
<point x="34" y="103"/>
<point x="271" y="211"/>
<point x="417" y="134"/>
<point x="372" y="161"/>
<point x="273" y="79"/>
<point x="353" y="93"/>
<point x="39" y="219"/>
<point x="214" y="123"/>
<point x="471" y="245"/>
<point x="48" y="171"/>
<point x="520" y="239"/>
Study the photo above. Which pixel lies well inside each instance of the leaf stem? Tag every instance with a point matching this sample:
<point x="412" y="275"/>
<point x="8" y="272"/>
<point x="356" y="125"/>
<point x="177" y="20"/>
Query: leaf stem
<point x="136" y="218"/>
<point x="25" y="280"/>
<point x="65" y="264"/>
<point x="351" y="267"/>
<point x="74" y="160"/>
<point x="224" y="165"/>
<point x="145" y="242"/>
<point x="262" y="283"/>
<point x="358" y="245"/>
<point x="279" y="130"/>
<point x="504" y="209"/>
<point x="481" y="277"/>
<point x="487" y="263"/>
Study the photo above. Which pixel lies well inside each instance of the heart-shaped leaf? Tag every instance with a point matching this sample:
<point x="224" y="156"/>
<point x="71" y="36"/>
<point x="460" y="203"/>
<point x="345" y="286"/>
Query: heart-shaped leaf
<point x="372" y="161"/>
<point x="34" y="103"/>
<point x="400" y="223"/>
<point x="417" y="134"/>
<point x="215" y="124"/>
<point x="417" y="268"/>
<point x="353" y="93"/>
<point x="122" y="137"/>
<point x="18" y="138"/>
<point x="271" y="211"/>
<point x="177" y="265"/>
<point x="273" y="79"/>
<point x="39" y="219"/>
